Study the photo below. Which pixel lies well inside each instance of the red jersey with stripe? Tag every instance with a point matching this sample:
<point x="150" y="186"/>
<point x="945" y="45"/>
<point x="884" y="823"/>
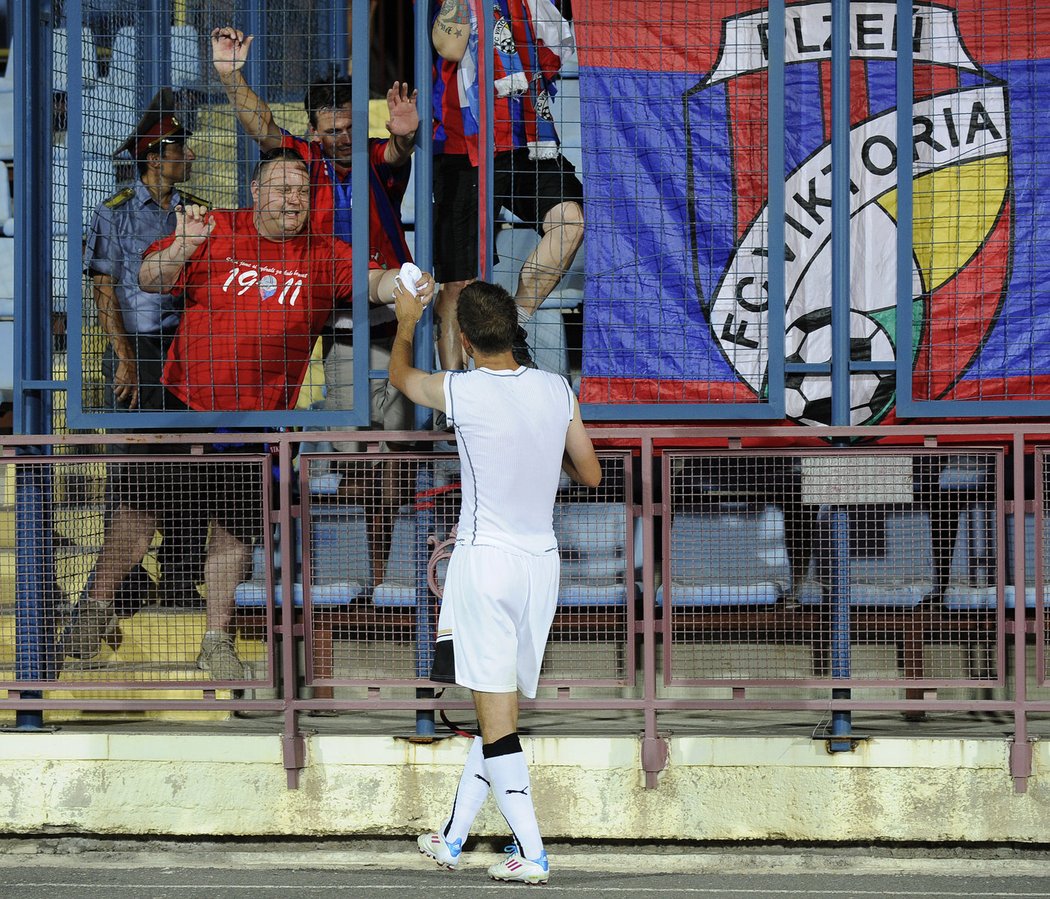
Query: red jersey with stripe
<point x="515" y="117"/>
<point x="448" y="119"/>
<point x="253" y="309"/>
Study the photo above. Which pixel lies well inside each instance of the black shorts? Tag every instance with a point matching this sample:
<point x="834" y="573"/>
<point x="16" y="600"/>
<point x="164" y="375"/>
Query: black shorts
<point x="190" y="495"/>
<point x="529" y="188"/>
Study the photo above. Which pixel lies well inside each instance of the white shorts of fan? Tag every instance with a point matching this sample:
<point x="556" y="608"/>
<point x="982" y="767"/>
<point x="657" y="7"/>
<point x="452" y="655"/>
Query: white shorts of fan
<point x="495" y="618"/>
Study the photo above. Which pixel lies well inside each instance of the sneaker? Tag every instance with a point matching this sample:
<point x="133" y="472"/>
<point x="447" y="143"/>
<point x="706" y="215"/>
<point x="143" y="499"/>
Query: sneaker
<point x="434" y="846"/>
<point x="515" y="867"/>
<point x="92" y="622"/>
<point x="520" y="349"/>
<point x="220" y="659"/>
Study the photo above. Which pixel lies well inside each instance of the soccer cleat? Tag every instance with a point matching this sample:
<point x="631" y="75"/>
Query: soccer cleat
<point x="434" y="846"/>
<point x="515" y="867"/>
<point x="520" y="349"/>
<point x="219" y="659"/>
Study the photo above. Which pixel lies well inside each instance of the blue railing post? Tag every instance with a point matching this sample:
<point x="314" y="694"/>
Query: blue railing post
<point x="34" y="644"/>
<point x="840" y="347"/>
<point x="841" y="723"/>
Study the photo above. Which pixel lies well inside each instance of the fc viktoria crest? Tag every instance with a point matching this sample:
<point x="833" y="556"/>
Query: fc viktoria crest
<point x="961" y="209"/>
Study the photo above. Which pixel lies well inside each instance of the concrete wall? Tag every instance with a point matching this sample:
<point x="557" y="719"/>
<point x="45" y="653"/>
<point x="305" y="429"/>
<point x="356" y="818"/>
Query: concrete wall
<point x="714" y="788"/>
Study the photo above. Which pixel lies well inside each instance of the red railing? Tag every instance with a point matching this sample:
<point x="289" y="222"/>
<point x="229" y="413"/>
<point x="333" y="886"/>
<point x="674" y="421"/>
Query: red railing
<point x="729" y="569"/>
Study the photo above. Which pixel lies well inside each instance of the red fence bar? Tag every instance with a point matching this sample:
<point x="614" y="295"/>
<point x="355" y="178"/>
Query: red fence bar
<point x="696" y="578"/>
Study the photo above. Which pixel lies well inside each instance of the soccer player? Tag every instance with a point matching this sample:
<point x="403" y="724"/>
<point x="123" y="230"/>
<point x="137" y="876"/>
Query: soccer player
<point x="517" y="428"/>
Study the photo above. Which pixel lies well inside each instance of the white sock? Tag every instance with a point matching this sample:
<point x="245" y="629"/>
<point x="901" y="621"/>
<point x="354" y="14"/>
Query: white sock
<point x="509" y="777"/>
<point x="471" y="794"/>
<point x="524" y="314"/>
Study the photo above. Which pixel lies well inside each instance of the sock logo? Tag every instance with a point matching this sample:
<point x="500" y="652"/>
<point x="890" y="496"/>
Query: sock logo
<point x="524" y="792"/>
<point x="483" y="780"/>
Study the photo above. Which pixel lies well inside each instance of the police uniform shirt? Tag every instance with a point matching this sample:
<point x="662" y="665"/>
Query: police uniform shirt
<point x="123" y="227"/>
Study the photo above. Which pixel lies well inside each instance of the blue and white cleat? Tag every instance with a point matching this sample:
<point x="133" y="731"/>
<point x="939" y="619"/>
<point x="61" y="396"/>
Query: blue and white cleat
<point x="515" y="867"/>
<point x="433" y="846"/>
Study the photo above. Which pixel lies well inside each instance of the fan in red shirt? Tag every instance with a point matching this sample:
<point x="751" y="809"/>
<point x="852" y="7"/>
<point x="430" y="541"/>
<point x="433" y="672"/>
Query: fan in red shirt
<point x="258" y="289"/>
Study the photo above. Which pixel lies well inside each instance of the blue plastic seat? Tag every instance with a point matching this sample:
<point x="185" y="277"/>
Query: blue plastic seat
<point x="734" y="555"/>
<point x="962" y="597"/>
<point x="338" y="555"/>
<point x="593" y="542"/>
<point x="898" y="574"/>
<point x="400" y="582"/>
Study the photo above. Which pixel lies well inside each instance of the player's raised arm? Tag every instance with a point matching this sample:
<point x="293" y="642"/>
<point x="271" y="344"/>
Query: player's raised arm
<point x="410" y="300"/>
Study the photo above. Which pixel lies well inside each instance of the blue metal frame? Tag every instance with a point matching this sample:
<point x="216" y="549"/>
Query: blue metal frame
<point x="362" y="201"/>
<point x="486" y="111"/>
<point x="155" y="11"/>
<point x="32" y="350"/>
<point x="839" y="594"/>
<point x="773" y="406"/>
<point x="907" y="405"/>
<point x="423" y="160"/>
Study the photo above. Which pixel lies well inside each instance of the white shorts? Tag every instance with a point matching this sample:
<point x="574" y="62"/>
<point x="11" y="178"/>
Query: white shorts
<point x="495" y="617"/>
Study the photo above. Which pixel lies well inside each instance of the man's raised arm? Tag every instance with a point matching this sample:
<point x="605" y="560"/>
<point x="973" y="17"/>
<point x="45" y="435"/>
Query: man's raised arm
<point x="160" y="269"/>
<point x="229" y="52"/>
<point x="451" y="29"/>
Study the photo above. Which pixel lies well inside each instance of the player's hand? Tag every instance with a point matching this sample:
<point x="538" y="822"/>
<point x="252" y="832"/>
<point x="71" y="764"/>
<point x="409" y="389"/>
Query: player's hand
<point x="409" y="306"/>
<point x="126" y="383"/>
<point x="404" y="113"/>
<point x="425" y="287"/>
<point x="193" y="226"/>
<point x="229" y="49"/>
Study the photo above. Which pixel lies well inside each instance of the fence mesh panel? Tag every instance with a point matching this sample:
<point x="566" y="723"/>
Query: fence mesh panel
<point x="124" y="572"/>
<point x="274" y="326"/>
<point x="861" y="567"/>
<point x="373" y="529"/>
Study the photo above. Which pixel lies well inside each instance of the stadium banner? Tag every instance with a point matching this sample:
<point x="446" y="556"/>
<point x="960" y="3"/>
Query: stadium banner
<point x="674" y="111"/>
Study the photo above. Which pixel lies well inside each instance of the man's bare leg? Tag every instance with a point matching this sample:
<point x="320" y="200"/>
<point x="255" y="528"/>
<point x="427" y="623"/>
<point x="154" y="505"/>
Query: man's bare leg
<point x="508" y="776"/>
<point x="561" y="238"/>
<point x="126" y="543"/>
<point x="497" y="714"/>
<point x="224" y="568"/>
<point x="450" y="350"/>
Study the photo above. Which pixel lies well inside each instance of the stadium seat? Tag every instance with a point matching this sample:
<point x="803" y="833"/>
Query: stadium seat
<point x="567" y="118"/>
<point x="593" y="544"/>
<point x="964" y="597"/>
<point x="735" y="555"/>
<point x="7" y="107"/>
<point x="60" y="58"/>
<point x="891" y="559"/>
<point x="546" y="328"/>
<point x="185" y="58"/>
<point x="110" y="115"/>
<point x="405" y="563"/>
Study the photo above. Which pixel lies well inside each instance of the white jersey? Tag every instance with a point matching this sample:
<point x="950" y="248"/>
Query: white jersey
<point x="510" y="429"/>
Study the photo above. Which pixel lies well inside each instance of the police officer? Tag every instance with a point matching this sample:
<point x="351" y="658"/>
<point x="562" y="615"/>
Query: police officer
<point x="139" y="325"/>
